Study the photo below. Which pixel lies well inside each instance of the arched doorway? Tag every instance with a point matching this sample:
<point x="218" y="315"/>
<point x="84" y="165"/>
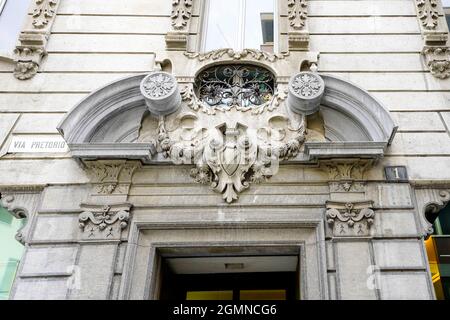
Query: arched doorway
<point x="11" y="251"/>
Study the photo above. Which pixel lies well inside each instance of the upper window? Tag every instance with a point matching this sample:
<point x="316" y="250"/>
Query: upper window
<point x="11" y="251"/>
<point x="446" y="5"/>
<point x="240" y="24"/>
<point x="235" y="86"/>
<point x="12" y="17"/>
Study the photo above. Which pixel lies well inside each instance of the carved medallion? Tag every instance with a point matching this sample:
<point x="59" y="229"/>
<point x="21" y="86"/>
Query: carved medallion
<point x="160" y="90"/>
<point x="306" y="90"/>
<point x="158" y="85"/>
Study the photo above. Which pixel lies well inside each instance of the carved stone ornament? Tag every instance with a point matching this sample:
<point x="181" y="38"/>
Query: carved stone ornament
<point x="28" y="55"/>
<point x="306" y="90"/>
<point x="160" y="90"/>
<point x="253" y="54"/>
<point x="428" y="13"/>
<point x="297" y="13"/>
<point x="232" y="149"/>
<point x="346" y="169"/>
<point x="22" y="203"/>
<point x="105" y="222"/>
<point x="438" y="61"/>
<point x="350" y="219"/>
<point x="111" y="176"/>
<point x="429" y="203"/>
<point x="347" y="186"/>
<point x="43" y="12"/>
<point x="231" y="155"/>
<point x="32" y="43"/>
<point x="181" y="13"/>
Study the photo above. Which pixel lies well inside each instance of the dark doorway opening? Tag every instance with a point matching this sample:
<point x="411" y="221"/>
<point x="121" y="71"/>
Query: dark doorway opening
<point x="186" y="281"/>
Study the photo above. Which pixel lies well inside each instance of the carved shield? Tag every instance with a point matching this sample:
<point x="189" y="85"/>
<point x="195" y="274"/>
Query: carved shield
<point x="230" y="158"/>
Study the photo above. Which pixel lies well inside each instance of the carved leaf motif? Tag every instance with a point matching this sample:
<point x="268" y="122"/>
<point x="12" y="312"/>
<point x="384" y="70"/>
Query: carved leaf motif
<point x="25" y="70"/>
<point x="438" y="61"/>
<point x="181" y="13"/>
<point x="428" y="13"/>
<point x="43" y="12"/>
<point x="297" y="14"/>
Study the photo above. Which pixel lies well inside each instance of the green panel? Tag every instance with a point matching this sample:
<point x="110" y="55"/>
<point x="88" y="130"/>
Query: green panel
<point x="11" y="251"/>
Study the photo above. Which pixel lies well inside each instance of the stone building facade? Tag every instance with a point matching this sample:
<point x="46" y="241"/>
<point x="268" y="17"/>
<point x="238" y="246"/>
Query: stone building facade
<point x="132" y="166"/>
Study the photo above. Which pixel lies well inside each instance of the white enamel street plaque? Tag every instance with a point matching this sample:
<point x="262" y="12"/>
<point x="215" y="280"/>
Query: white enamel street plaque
<point x="37" y="144"/>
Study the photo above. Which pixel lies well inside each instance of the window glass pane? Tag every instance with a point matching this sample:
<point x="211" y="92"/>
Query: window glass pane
<point x="259" y="27"/>
<point x="12" y="19"/>
<point x="240" y="24"/>
<point x="11" y="251"/>
<point x="222" y="28"/>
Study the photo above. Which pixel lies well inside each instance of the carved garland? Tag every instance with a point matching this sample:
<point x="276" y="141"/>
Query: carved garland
<point x="188" y="95"/>
<point x="236" y="55"/>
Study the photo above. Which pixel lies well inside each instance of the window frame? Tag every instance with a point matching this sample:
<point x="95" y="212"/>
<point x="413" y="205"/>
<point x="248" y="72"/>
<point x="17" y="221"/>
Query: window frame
<point x="204" y="26"/>
<point x="2" y="5"/>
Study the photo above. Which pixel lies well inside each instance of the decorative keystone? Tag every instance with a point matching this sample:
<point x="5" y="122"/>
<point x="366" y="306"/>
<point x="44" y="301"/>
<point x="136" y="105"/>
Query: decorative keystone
<point x="160" y="90"/>
<point x="306" y="90"/>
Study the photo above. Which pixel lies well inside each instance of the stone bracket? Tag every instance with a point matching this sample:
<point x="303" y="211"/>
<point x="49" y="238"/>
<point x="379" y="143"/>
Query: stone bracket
<point x="177" y="38"/>
<point x="111" y="177"/>
<point x="103" y="222"/>
<point x="298" y="34"/>
<point x="435" y="34"/>
<point x="346" y="169"/>
<point x="22" y="202"/>
<point x="33" y="40"/>
<point x="347" y="219"/>
<point x="429" y="203"/>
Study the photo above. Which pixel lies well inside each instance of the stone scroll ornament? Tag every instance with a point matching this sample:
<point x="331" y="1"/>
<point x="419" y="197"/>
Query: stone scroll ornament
<point x="104" y="222"/>
<point x="350" y="219"/>
<point x="236" y="129"/>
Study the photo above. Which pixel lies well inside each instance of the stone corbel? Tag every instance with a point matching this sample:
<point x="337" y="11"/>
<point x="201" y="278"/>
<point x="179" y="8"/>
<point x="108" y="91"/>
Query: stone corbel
<point x="177" y="38"/>
<point x="435" y="34"/>
<point x="22" y="203"/>
<point x="111" y="177"/>
<point x="103" y="222"/>
<point x="346" y="170"/>
<point x="298" y="34"/>
<point x="33" y="40"/>
<point x="437" y="59"/>
<point x="350" y="219"/>
<point x="429" y="203"/>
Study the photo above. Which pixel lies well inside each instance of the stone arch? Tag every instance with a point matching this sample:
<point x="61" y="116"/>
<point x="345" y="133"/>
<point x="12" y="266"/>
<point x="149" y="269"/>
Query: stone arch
<point x="353" y="114"/>
<point x="106" y="124"/>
